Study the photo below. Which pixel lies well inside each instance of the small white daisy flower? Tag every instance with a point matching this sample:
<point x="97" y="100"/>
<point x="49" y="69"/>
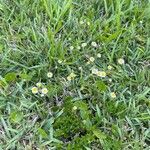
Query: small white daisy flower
<point x="69" y="78"/>
<point x="91" y="59"/>
<point x="34" y="90"/>
<point x="113" y="95"/>
<point x="72" y="75"/>
<point x="84" y="45"/>
<point x="99" y="55"/>
<point x="80" y="68"/>
<point x="78" y="47"/>
<point x="71" y="47"/>
<point x="141" y="21"/>
<point x="94" y="44"/>
<point x="81" y="22"/>
<point x="110" y="80"/>
<point x="109" y="67"/>
<point x="88" y="62"/>
<point x="44" y="91"/>
<point x="59" y="61"/>
<point x="49" y="74"/>
<point x="88" y="23"/>
<point x="121" y="61"/>
<point x="74" y="108"/>
<point x="84" y="121"/>
<point x="94" y="71"/>
<point x="39" y="84"/>
<point x="101" y="74"/>
<point x="42" y="95"/>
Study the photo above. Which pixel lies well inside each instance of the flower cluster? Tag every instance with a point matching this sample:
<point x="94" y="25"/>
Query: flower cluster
<point x="99" y="73"/>
<point x="39" y="89"/>
<point x="84" y="22"/>
<point x="71" y="76"/>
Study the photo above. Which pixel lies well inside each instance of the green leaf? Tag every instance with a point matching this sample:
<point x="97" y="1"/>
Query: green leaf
<point x="99" y="134"/>
<point x="66" y="6"/>
<point x="16" y="116"/>
<point x="98" y="111"/>
<point x="1" y="46"/>
<point x="9" y="77"/>
<point x="2" y="103"/>
<point x="113" y="36"/>
<point x="1" y="7"/>
<point x="81" y="105"/>
<point x="88" y="123"/>
<point x="3" y="83"/>
<point x="42" y="133"/>
<point x="101" y="86"/>
<point x="26" y="77"/>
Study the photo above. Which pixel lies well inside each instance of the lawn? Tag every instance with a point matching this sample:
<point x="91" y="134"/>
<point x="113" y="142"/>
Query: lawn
<point x="74" y="74"/>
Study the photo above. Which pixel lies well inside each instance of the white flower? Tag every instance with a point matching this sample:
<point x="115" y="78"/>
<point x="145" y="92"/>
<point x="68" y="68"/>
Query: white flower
<point x="88" y="62"/>
<point x="141" y="21"/>
<point x="99" y="55"/>
<point x="84" y="45"/>
<point x="94" y="71"/>
<point x="84" y="121"/>
<point x="101" y="74"/>
<point x="44" y="91"/>
<point x="71" y="76"/>
<point x="113" y="95"/>
<point x="78" y="47"/>
<point x="91" y="59"/>
<point x="80" y="68"/>
<point x="109" y="67"/>
<point x="74" y="108"/>
<point x="59" y="61"/>
<point x="121" y="61"/>
<point x="39" y="84"/>
<point x="81" y="22"/>
<point x="34" y="90"/>
<point x="88" y="23"/>
<point x="94" y="44"/>
<point x="110" y="80"/>
<point x="49" y="74"/>
<point x="42" y="95"/>
<point x="71" y="47"/>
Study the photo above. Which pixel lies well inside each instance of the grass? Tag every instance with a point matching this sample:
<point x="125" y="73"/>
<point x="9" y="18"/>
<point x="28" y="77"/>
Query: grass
<point x="37" y="37"/>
